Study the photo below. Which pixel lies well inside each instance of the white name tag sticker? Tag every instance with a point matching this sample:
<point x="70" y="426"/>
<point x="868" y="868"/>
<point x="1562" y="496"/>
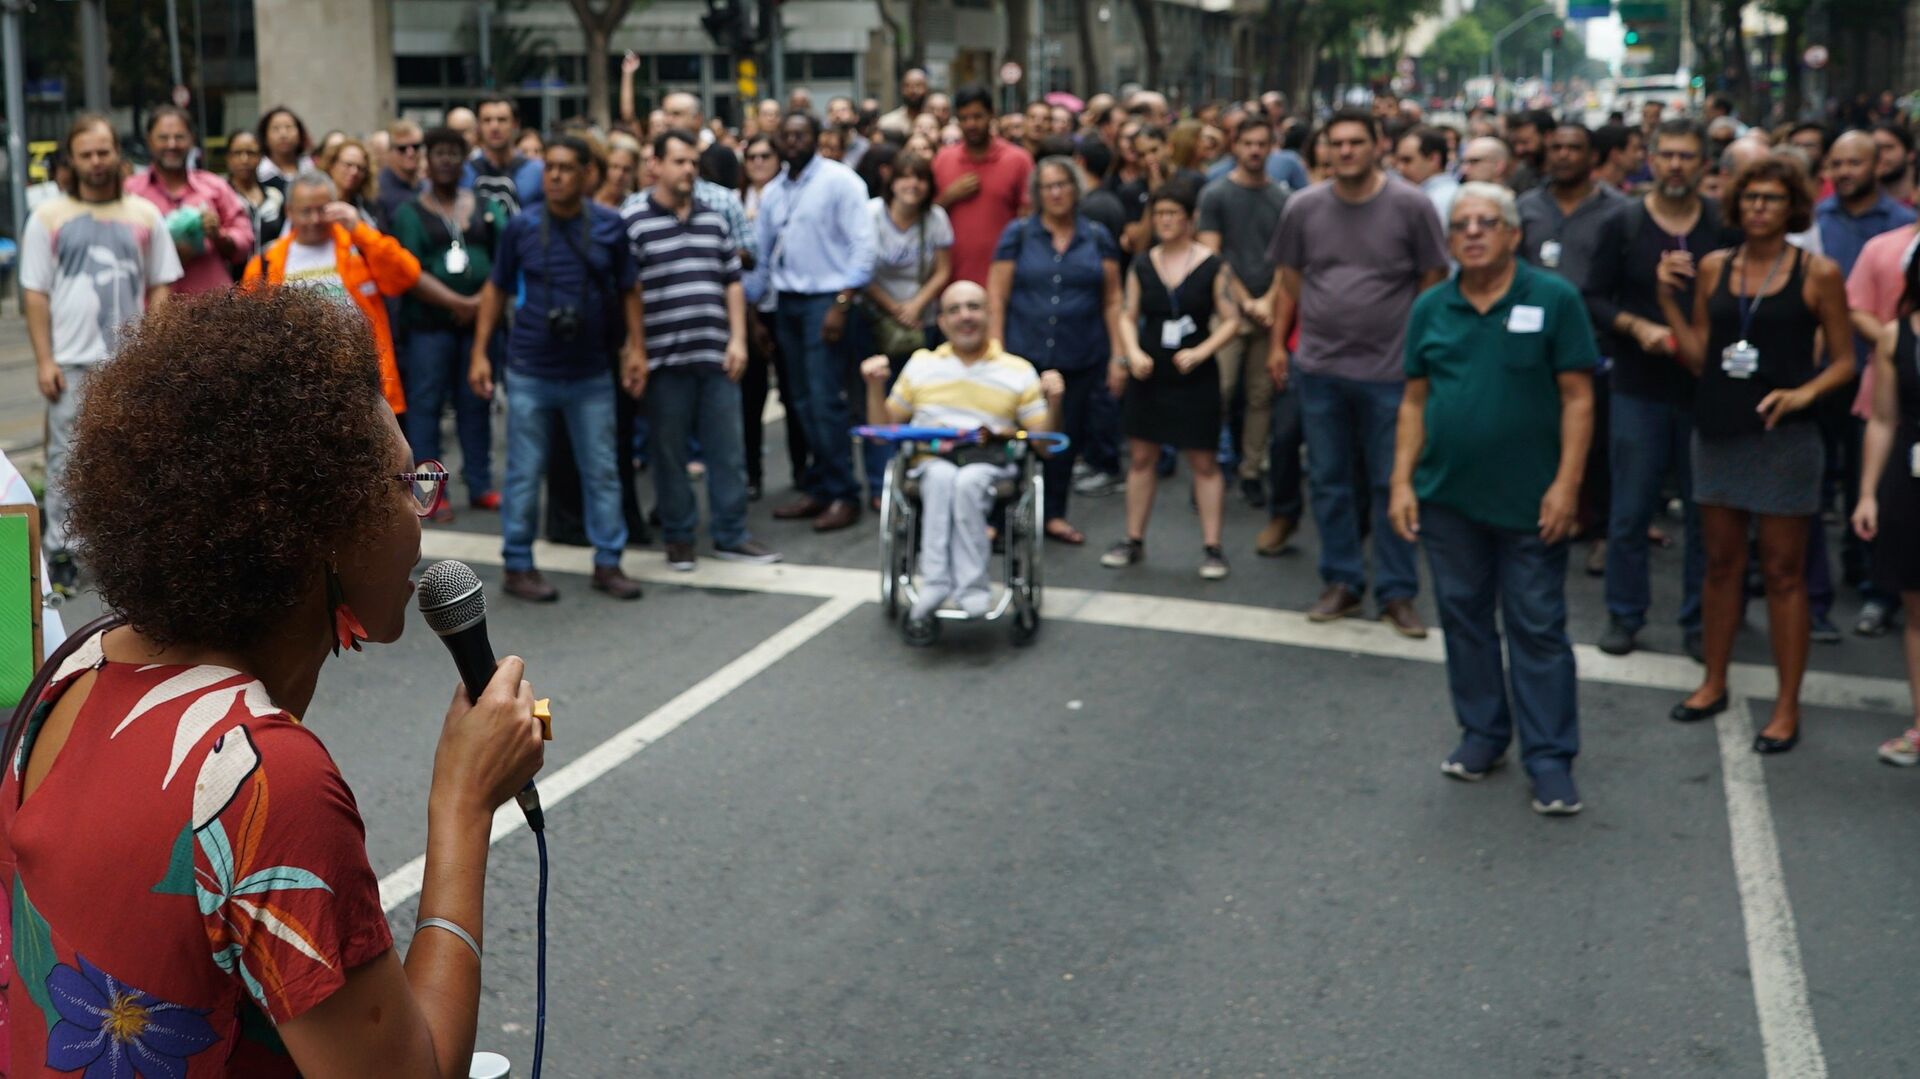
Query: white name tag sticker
<point x="1525" y="318"/>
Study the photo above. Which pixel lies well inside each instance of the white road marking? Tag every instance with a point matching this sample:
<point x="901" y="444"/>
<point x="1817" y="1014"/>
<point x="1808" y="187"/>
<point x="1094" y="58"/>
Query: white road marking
<point x="1207" y="618"/>
<point x="404" y="883"/>
<point x="1788" y="1039"/>
<point x="1790" y="1043"/>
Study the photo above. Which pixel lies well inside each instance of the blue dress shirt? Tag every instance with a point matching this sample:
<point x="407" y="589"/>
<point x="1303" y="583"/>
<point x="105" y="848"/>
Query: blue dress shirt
<point x="815" y="232"/>
<point x="1843" y="235"/>
<point x="1056" y="314"/>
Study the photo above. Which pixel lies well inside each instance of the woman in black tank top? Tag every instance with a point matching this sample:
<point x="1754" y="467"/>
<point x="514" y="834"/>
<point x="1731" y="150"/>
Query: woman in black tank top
<point x="1756" y="454"/>
<point x="1888" y="514"/>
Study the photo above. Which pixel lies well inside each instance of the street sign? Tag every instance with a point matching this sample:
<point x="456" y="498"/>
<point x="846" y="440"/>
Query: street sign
<point x="1816" y="56"/>
<point x="1578" y="12"/>
<point x="1639" y="54"/>
<point x="1643" y="10"/>
<point x="1009" y="73"/>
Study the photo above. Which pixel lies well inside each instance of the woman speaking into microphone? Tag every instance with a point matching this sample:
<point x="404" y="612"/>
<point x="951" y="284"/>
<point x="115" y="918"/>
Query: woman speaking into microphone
<point x="186" y="871"/>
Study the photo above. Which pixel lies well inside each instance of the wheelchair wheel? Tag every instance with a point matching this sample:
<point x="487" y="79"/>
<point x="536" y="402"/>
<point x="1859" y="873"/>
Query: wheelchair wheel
<point x="1026" y="625"/>
<point x="1036" y="548"/>
<point x="896" y="540"/>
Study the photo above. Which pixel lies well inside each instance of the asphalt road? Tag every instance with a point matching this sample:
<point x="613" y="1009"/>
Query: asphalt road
<point x="1184" y="834"/>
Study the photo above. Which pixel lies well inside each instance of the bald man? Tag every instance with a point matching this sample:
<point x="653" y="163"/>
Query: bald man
<point x="461" y="119"/>
<point x="966" y="383"/>
<point x="913" y="98"/>
<point x="683" y="114"/>
<point x="1485" y="160"/>
<point x="1859" y="208"/>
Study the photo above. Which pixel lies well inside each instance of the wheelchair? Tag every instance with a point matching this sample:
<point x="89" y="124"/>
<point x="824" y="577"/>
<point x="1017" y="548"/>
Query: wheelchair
<point x="1019" y="502"/>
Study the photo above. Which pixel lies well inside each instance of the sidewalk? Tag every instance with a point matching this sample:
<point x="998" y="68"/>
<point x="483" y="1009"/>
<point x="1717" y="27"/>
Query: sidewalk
<point x="22" y="411"/>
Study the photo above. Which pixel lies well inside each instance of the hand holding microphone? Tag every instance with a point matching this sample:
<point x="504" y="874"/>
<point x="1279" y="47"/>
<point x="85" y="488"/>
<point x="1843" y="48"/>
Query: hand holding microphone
<point x="492" y="745"/>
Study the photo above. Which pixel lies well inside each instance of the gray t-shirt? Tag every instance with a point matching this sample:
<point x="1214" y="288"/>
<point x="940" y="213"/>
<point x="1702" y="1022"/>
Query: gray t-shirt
<point x="903" y="260"/>
<point x="1245" y="217"/>
<point x="1360" y="266"/>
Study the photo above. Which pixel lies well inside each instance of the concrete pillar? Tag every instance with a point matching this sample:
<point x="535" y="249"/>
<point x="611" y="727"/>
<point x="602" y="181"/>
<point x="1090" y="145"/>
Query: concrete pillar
<point x="331" y="61"/>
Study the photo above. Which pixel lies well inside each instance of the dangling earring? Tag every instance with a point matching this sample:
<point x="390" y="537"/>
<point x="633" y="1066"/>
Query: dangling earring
<point x="347" y="631"/>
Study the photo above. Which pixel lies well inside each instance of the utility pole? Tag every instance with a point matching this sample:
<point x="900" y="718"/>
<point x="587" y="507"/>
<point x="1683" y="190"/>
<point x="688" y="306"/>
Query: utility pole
<point x="1506" y="32"/>
<point x="16" y="113"/>
<point x="93" y="55"/>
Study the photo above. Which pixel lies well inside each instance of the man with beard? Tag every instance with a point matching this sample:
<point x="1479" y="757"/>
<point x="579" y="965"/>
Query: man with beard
<point x="1527" y="133"/>
<point x="1619" y="153"/>
<point x="1896" y="161"/>
<point x="1858" y="210"/>
<point x="1651" y="405"/>
<point x="209" y="223"/>
<point x="982" y="183"/>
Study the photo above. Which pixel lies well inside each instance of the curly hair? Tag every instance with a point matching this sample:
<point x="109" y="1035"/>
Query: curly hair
<point x="1783" y="168"/>
<point x="218" y="459"/>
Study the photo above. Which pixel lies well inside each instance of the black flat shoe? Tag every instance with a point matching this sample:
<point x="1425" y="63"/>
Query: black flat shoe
<point x="1683" y="714"/>
<point x="1763" y="744"/>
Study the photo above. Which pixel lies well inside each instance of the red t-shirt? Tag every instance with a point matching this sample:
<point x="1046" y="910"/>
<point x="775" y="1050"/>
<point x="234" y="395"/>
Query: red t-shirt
<point x="978" y="221"/>
<point x="163" y="914"/>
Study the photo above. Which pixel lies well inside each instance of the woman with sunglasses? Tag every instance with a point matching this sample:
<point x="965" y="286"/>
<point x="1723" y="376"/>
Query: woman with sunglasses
<point x="1757" y="454"/>
<point x="203" y="928"/>
<point x="764" y="362"/>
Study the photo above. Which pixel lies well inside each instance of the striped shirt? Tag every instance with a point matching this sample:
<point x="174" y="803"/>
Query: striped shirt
<point x="1000" y="391"/>
<point x="685" y="268"/>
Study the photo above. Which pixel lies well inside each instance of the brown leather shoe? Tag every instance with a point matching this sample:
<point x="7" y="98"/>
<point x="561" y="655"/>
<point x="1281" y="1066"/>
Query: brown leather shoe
<point x="1399" y="614"/>
<point x="1337" y="602"/>
<point x="800" y="509"/>
<point x="1272" y="541"/>
<point x="610" y="580"/>
<point x="530" y="586"/>
<point x="840" y="513"/>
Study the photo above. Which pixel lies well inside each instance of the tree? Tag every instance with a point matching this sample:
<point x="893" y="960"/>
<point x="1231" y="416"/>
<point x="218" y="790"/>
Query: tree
<point x="1090" y="80"/>
<point x="598" y="20"/>
<point x="1459" y="49"/>
<point x="1149" y="40"/>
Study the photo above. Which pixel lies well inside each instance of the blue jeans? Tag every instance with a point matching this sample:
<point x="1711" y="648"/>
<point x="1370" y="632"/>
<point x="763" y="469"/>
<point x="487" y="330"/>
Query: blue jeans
<point x="587" y="405"/>
<point x="1648" y="438"/>
<point x="433" y="366"/>
<point x="1474" y="566"/>
<point x="698" y="401"/>
<point x="1345" y="421"/>
<point x="818" y="394"/>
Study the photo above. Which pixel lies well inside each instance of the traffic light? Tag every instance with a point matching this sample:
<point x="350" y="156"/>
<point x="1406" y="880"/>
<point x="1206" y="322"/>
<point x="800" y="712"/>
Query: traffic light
<point x="1558" y="34"/>
<point x="1633" y="37"/>
<point x="729" y="25"/>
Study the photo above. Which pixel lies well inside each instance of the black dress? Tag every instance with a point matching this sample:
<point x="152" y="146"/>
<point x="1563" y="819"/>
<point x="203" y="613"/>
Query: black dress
<point x="1896" y="550"/>
<point x="1171" y="408"/>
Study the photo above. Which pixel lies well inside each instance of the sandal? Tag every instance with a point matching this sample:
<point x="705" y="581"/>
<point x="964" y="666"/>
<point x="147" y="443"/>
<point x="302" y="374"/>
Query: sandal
<point x="1066" y="533"/>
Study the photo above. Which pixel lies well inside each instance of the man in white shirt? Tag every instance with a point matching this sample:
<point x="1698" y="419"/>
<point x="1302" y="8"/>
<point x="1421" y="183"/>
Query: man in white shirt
<point x="90" y="264"/>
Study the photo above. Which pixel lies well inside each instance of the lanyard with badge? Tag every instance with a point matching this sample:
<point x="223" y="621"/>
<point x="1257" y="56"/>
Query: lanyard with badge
<point x="1741" y="359"/>
<point x="1175" y="330"/>
<point x="455" y="260"/>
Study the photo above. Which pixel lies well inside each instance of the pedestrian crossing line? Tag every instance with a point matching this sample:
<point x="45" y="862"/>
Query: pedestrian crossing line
<point x="1788" y="1040"/>
<point x="404" y="883"/>
<point x="1206" y="618"/>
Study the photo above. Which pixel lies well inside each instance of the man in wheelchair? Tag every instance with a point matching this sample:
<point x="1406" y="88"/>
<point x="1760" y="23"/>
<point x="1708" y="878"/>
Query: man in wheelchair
<point x="967" y="383"/>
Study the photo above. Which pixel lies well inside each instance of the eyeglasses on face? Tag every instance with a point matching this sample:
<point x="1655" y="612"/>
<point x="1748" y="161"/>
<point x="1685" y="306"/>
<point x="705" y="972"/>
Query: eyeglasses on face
<point x="427" y="483"/>
<point x="1474" y="224"/>
<point x="1762" y="198"/>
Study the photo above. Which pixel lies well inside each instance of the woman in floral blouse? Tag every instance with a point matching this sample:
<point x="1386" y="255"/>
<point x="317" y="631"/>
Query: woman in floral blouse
<point x="184" y="869"/>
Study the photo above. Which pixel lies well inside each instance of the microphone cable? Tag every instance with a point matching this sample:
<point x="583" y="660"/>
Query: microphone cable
<point x="540" y="961"/>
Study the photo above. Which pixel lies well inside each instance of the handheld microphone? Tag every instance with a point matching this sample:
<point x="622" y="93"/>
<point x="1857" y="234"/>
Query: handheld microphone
<point x="455" y="608"/>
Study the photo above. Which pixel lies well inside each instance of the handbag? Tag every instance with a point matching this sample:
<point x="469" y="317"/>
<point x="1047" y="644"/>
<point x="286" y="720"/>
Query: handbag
<point x="889" y="336"/>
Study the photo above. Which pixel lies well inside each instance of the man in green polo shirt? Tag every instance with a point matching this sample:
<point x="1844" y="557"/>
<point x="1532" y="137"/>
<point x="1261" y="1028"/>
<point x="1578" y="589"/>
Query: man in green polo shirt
<point x="1492" y="442"/>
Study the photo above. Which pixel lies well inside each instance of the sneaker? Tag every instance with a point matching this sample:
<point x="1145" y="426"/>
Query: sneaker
<point x="1874" y="619"/>
<point x="1099" y="485"/>
<point x="1903" y="751"/>
<point x="1824" y="630"/>
<point x="1617" y="640"/>
<point x="63" y="574"/>
<point x="486" y="500"/>
<point x="1081" y="469"/>
<point x="680" y="556"/>
<point x="749" y="550"/>
<point x="1123" y="554"/>
<point x="1213" y="564"/>
<point x="1472" y="762"/>
<point x="1554" y="795"/>
<point x="920" y="632"/>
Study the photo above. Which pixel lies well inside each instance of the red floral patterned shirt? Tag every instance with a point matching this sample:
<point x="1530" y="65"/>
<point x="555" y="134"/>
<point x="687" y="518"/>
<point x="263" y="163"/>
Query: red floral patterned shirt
<point x="191" y="872"/>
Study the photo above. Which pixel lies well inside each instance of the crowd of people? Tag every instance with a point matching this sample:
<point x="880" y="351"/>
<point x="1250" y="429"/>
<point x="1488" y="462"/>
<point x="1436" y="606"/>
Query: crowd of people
<point x="1490" y="340"/>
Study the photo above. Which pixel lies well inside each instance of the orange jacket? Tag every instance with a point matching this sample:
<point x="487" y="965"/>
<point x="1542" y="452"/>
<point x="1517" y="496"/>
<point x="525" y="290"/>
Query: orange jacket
<point x="372" y="265"/>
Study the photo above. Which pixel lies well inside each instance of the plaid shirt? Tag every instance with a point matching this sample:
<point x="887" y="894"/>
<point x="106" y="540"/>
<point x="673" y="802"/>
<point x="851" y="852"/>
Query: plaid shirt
<point x="727" y="204"/>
